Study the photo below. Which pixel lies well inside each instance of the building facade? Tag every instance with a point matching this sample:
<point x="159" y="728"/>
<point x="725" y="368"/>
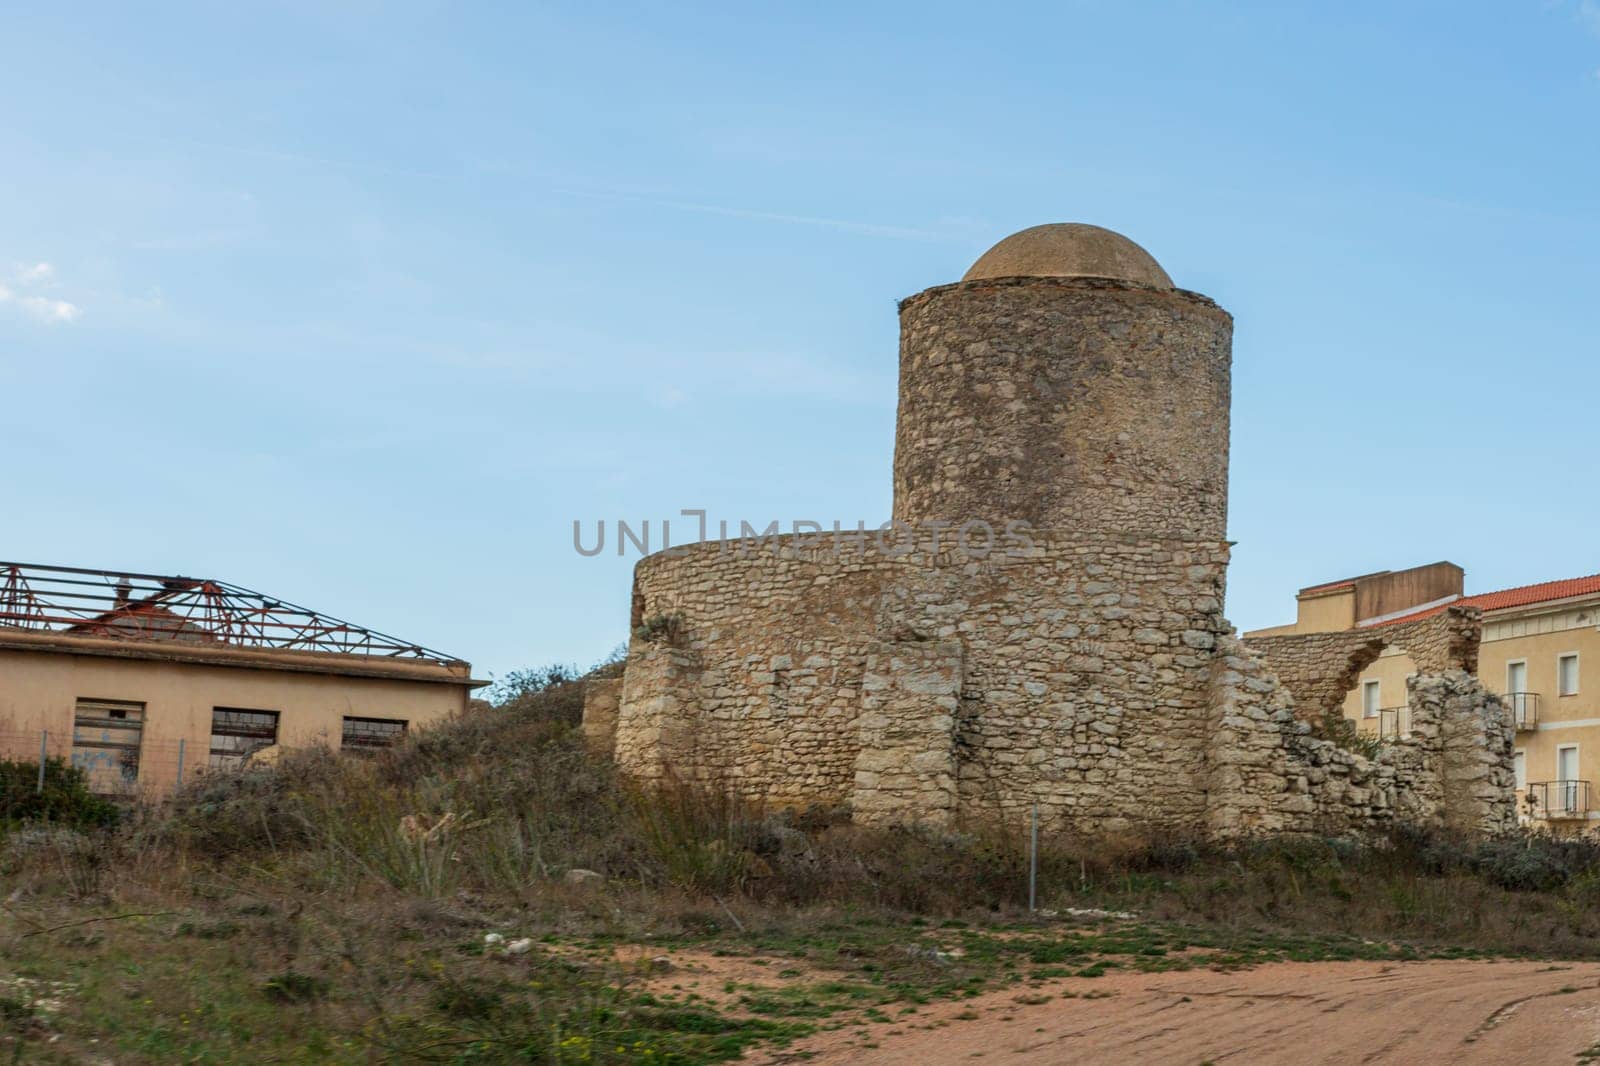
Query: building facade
<point x="1537" y="643"/>
<point x="144" y="681"/>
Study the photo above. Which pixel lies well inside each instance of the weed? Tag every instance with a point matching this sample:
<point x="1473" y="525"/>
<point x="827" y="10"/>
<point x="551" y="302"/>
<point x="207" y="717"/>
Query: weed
<point x="291" y="986"/>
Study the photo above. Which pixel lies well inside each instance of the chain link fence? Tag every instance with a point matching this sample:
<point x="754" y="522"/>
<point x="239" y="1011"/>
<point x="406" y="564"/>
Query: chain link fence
<point x="118" y="765"/>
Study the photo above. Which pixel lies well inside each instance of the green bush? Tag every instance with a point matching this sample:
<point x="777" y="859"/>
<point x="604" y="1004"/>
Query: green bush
<point x="64" y="800"/>
<point x="225" y="813"/>
<point x="1535" y="863"/>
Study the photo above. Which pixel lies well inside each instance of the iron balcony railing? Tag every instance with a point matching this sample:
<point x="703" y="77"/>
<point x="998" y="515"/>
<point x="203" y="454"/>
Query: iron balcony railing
<point x="1393" y="722"/>
<point x="1558" y="799"/>
<point x="1524" y="709"/>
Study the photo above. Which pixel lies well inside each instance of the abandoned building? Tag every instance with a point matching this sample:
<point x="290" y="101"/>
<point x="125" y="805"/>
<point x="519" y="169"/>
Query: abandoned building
<point x="1066" y="389"/>
<point x="144" y="680"/>
<point x="1535" y="642"/>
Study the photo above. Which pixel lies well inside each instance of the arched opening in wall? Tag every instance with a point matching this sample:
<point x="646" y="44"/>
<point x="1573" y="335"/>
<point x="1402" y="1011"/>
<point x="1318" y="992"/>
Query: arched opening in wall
<point x="1376" y="691"/>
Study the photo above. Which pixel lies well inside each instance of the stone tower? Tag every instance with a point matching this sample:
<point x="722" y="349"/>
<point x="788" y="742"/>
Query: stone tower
<point x="1085" y="672"/>
<point x="1065" y="382"/>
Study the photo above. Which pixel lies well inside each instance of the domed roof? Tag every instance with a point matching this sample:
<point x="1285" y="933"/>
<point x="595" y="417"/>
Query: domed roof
<point x="1069" y="250"/>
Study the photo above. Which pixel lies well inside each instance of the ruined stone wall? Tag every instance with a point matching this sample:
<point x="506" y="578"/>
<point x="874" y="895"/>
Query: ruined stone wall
<point x="1269" y="774"/>
<point x="1070" y="403"/>
<point x="927" y="685"/>
<point x="602" y="699"/>
<point x="1319" y="669"/>
<point x="1097" y="680"/>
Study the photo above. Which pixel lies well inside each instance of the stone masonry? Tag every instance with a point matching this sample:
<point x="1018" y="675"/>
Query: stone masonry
<point x="1320" y="668"/>
<point x="1043" y="623"/>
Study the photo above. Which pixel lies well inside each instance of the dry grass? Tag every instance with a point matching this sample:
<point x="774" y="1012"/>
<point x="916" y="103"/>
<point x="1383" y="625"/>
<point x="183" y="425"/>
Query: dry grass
<point x="287" y="915"/>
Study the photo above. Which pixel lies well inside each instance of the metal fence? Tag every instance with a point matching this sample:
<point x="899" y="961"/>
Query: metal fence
<point x="132" y="768"/>
<point x="1566" y="798"/>
<point x="1524" y="709"/>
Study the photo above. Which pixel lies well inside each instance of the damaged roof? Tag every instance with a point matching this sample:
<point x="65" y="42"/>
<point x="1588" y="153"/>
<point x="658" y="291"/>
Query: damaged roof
<point x="118" y="605"/>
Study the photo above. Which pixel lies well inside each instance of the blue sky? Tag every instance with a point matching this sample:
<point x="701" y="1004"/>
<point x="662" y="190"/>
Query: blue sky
<point x="363" y="304"/>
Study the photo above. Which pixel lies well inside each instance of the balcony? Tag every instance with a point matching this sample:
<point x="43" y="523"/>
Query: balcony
<point x="1558" y="799"/>
<point x="1393" y="722"/>
<point x="1524" y="709"/>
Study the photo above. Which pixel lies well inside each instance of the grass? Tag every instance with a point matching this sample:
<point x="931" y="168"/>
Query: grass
<point x="289" y="916"/>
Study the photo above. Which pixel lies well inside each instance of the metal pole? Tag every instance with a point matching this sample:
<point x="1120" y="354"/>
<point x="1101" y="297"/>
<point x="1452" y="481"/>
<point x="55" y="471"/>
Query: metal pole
<point x="1033" y="860"/>
<point x="44" y="750"/>
<point x="180" y="760"/>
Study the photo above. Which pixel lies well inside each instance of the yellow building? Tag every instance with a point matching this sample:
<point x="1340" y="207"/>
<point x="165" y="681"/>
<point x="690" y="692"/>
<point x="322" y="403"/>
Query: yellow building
<point x="1537" y="642"/>
<point x="143" y="680"/>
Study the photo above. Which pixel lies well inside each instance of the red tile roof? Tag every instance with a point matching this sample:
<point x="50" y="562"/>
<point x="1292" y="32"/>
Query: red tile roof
<point x="1521" y="596"/>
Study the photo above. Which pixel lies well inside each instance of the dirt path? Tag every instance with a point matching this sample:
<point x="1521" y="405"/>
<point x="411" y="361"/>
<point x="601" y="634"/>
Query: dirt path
<point x="1526" y="1013"/>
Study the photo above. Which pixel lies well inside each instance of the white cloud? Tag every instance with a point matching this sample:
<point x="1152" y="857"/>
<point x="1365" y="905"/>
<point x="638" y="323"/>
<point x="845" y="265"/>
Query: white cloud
<point x="45" y="308"/>
<point x="39" y="306"/>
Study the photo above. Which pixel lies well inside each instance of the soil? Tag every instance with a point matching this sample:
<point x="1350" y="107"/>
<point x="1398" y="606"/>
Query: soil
<point x="1489" y="1012"/>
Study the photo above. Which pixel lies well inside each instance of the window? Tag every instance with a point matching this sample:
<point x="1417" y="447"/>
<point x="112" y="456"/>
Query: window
<point x="1371" y="699"/>
<point x="1517" y="676"/>
<point x="370" y="734"/>
<point x="236" y="734"/>
<point x="106" y="738"/>
<point x="1567" y="674"/>
<point x="1519" y="760"/>
<point x="1567" y="762"/>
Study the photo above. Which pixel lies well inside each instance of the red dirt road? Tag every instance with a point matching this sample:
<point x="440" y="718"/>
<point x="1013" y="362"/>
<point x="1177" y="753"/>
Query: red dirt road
<point x="1522" y="1013"/>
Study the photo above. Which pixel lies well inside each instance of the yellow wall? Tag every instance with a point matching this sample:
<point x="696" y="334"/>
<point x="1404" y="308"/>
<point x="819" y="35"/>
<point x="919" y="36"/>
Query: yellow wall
<point x="1540" y="637"/>
<point x="1390" y="670"/>
<point x="1562" y="720"/>
<point x="1329" y="612"/>
<point x="39" y="691"/>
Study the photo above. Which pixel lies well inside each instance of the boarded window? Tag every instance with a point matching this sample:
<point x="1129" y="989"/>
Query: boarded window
<point x="1371" y="699"/>
<point x="369" y="734"/>
<point x="106" y="737"/>
<point x="237" y="733"/>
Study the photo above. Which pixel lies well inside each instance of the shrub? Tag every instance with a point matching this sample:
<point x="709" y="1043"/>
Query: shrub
<point x="292" y="986"/>
<point x="1535" y="863"/>
<point x="222" y="813"/>
<point x="1343" y="732"/>
<point x="64" y="800"/>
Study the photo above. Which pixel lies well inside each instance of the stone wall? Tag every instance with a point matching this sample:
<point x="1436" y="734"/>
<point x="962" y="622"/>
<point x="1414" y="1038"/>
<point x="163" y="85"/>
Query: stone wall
<point x="1468" y="739"/>
<point x="1096" y="680"/>
<point x="1069" y="403"/>
<point x="1320" y="669"/>
<point x="1072" y="675"/>
<point x="602" y="699"/>
<point x="906" y="733"/>
<point x="1268" y="774"/>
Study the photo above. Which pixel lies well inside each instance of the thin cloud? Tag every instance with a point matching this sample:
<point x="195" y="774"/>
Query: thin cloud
<point x="44" y="308"/>
<point x="41" y="307"/>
